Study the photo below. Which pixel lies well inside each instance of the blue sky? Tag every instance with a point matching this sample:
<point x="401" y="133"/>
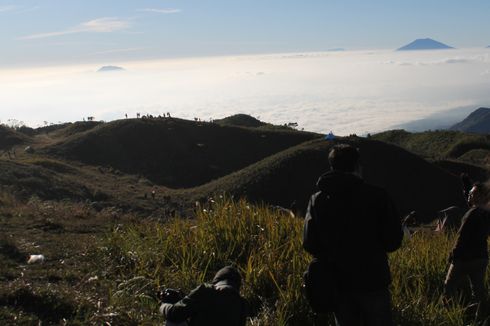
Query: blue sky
<point x="47" y="32"/>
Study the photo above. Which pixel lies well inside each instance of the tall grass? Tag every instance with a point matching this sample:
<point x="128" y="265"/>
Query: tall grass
<point x="266" y="246"/>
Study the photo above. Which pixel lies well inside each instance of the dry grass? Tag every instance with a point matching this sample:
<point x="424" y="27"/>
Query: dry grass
<point x="266" y="246"/>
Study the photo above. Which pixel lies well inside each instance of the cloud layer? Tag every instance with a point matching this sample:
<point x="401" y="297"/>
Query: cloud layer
<point x="346" y="92"/>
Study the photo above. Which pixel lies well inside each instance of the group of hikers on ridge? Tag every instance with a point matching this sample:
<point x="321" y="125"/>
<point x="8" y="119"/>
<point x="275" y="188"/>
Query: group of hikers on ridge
<point x="349" y="228"/>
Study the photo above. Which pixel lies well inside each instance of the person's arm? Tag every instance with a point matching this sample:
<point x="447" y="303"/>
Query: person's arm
<point x="310" y="229"/>
<point x="391" y="226"/>
<point x="185" y="308"/>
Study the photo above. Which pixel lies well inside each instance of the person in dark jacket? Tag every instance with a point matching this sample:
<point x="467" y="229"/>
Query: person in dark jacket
<point x="469" y="257"/>
<point x="353" y="225"/>
<point x="216" y="304"/>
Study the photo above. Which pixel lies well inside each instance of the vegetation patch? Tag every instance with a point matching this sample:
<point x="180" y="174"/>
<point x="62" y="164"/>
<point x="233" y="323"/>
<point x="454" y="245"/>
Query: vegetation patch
<point x="436" y="144"/>
<point x="46" y="306"/>
<point x="266" y="246"/>
<point x="52" y="165"/>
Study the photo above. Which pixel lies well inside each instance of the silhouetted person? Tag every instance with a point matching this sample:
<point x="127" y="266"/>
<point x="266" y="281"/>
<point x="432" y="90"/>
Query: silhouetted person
<point x="469" y="257"/>
<point x="349" y="228"/>
<point x="218" y="303"/>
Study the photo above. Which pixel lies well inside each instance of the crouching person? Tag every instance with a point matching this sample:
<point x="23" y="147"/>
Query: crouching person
<point x="217" y="303"/>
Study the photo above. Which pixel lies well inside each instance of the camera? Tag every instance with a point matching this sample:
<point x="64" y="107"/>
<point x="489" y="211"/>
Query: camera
<point x="170" y="295"/>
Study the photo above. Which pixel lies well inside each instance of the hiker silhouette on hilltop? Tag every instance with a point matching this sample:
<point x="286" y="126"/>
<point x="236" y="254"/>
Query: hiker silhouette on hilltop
<point x="349" y="228"/>
<point x="218" y="303"/>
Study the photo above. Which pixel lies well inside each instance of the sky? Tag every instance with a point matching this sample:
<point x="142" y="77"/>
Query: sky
<point x="271" y="59"/>
<point x="53" y="32"/>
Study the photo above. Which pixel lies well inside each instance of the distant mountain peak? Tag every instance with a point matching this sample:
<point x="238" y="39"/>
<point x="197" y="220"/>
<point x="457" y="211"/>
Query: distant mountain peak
<point x="477" y="122"/>
<point x="424" y="44"/>
<point x="110" y="68"/>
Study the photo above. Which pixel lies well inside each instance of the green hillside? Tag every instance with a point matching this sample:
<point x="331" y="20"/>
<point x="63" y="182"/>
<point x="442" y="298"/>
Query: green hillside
<point x="175" y="153"/>
<point x="9" y="138"/>
<point x="84" y="199"/>
<point x="289" y="177"/>
<point x="436" y="144"/>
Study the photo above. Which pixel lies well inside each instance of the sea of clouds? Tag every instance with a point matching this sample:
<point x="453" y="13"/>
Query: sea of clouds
<point x="344" y="92"/>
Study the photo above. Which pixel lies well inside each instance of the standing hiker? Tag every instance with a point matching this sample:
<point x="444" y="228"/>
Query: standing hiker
<point x="469" y="257"/>
<point x="349" y="228"/>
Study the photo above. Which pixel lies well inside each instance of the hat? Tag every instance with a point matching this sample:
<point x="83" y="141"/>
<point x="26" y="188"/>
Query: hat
<point x="229" y="274"/>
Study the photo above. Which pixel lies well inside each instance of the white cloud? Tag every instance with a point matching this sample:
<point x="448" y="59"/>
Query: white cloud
<point x="161" y="11"/>
<point x="99" y="25"/>
<point x="17" y="9"/>
<point x="7" y="8"/>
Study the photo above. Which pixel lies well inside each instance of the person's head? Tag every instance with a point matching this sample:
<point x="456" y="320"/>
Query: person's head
<point x="228" y="275"/>
<point x="479" y="194"/>
<point x="344" y="158"/>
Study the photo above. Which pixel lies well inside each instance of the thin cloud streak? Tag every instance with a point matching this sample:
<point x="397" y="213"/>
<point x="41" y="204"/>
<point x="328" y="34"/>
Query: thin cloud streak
<point x="161" y="11"/>
<point x="99" y="25"/>
<point x="7" y="8"/>
<point x="17" y="9"/>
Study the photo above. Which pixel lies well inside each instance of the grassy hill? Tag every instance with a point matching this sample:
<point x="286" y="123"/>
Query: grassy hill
<point x="119" y="164"/>
<point x="83" y="200"/>
<point x="289" y="177"/>
<point x="241" y="120"/>
<point x="173" y="152"/>
<point x="9" y="138"/>
<point x="441" y="143"/>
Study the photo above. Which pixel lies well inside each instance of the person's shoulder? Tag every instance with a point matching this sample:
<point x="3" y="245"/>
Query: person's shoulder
<point x="201" y="290"/>
<point x="477" y="213"/>
<point x="473" y="212"/>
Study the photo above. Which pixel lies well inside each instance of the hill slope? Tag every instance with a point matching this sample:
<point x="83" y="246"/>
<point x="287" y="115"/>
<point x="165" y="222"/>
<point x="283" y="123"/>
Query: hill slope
<point x="477" y="122"/>
<point x="436" y="144"/>
<point x="173" y="152"/>
<point x="128" y="157"/>
<point x="290" y="177"/>
<point x="424" y="44"/>
<point x="10" y="138"/>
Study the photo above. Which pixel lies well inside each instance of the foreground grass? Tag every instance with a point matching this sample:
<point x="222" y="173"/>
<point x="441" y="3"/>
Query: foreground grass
<point x="266" y="245"/>
<point x="65" y="289"/>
